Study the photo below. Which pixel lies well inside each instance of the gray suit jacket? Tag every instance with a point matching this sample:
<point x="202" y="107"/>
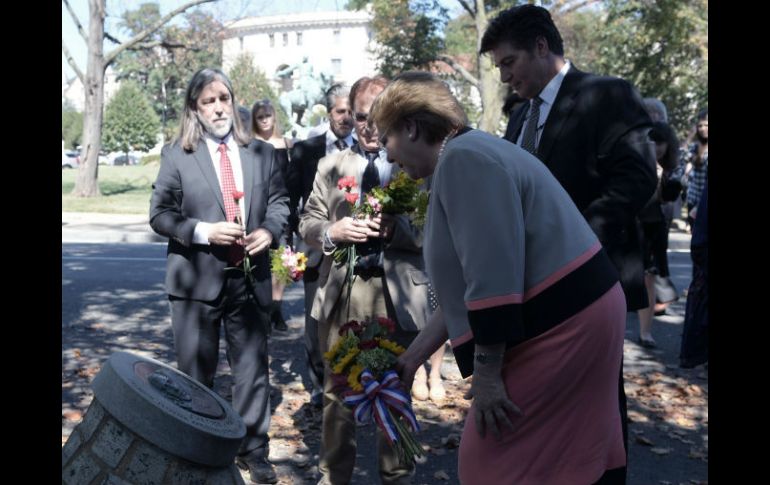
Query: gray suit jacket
<point x="187" y="191"/>
<point x="404" y="267"/>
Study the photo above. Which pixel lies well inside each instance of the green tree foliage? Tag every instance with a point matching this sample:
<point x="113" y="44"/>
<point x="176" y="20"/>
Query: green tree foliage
<point x="662" y="48"/>
<point x="71" y="125"/>
<point x="129" y="121"/>
<point x="163" y="64"/>
<point x="408" y="32"/>
<point x="251" y="85"/>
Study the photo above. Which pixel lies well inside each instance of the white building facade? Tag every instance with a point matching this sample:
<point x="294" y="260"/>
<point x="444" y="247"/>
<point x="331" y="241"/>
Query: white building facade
<point x="72" y="89"/>
<point x="337" y="43"/>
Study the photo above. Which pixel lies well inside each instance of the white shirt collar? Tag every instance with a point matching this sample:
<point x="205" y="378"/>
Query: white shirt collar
<point x="549" y="92"/>
<point x="331" y="138"/>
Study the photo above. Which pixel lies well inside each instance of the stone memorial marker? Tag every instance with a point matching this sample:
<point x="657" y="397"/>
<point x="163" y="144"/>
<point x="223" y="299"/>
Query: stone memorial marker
<point x="149" y="423"/>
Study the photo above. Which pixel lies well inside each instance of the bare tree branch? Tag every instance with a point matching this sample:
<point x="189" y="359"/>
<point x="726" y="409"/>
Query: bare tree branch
<point x="72" y="63"/>
<point x="76" y="20"/>
<point x="467" y="8"/>
<point x="460" y="69"/>
<point x="110" y="58"/>
<point x="111" y="38"/>
<point x="160" y="43"/>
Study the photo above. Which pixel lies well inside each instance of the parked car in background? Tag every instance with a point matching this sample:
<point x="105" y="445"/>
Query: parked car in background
<point x="70" y="159"/>
<point x="126" y="160"/>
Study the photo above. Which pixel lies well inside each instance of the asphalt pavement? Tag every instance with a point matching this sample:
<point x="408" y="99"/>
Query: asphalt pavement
<point x="113" y="299"/>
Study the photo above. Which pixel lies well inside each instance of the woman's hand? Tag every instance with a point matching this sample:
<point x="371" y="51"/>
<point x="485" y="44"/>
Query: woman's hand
<point x="490" y="400"/>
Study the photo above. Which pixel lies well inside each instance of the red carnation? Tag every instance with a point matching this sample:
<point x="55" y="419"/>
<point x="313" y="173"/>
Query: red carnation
<point x="387" y="323"/>
<point x="237" y="195"/>
<point x="348" y="183"/>
<point x="368" y="344"/>
<point x="351" y="197"/>
<point x="351" y="325"/>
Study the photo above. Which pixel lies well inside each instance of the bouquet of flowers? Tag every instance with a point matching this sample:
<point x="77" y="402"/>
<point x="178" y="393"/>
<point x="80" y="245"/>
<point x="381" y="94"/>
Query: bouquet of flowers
<point x="401" y="196"/>
<point x="287" y="265"/>
<point x="362" y="364"/>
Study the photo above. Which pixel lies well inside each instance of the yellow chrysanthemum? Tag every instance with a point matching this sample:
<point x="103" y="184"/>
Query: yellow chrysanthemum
<point x="345" y="360"/>
<point x="391" y="346"/>
<point x="329" y="356"/>
<point x="355" y="373"/>
<point x="301" y="262"/>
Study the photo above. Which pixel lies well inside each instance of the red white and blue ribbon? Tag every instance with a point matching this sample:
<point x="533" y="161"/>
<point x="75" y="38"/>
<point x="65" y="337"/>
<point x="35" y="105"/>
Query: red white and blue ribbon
<point x="377" y="398"/>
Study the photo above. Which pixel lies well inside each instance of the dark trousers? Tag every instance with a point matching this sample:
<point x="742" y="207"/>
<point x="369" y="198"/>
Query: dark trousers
<point x="313" y="358"/>
<point x="694" y="348"/>
<point x="196" y="327"/>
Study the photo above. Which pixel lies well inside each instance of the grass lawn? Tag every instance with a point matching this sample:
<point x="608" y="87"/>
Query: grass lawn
<point x="125" y="190"/>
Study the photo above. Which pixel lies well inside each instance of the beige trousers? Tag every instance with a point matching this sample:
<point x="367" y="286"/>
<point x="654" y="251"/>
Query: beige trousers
<point x="338" y="431"/>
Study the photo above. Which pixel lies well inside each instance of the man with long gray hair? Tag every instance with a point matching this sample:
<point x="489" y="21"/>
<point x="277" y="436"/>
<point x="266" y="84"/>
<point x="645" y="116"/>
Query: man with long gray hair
<point x="219" y="198"/>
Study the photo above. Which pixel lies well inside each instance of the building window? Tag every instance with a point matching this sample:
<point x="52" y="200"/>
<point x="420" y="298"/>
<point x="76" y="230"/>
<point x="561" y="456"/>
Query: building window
<point x="336" y="34"/>
<point x="299" y="38"/>
<point x="272" y="40"/>
<point x="285" y="39"/>
<point x="336" y="66"/>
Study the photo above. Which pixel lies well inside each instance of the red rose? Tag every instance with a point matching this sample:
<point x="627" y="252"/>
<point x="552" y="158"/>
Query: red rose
<point x="237" y="195"/>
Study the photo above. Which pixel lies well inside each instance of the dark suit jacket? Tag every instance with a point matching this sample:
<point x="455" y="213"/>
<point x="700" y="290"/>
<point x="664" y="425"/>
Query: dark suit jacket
<point x="187" y="191"/>
<point x="595" y="143"/>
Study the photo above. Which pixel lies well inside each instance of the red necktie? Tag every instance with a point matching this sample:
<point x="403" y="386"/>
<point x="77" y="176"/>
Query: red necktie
<point x="232" y="211"/>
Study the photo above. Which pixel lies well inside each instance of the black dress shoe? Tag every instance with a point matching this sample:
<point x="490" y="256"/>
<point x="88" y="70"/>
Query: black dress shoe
<point x="276" y="317"/>
<point x="260" y="470"/>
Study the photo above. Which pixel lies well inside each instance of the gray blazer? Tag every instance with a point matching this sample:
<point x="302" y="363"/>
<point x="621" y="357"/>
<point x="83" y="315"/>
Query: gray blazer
<point x="187" y="191"/>
<point x="404" y="267"/>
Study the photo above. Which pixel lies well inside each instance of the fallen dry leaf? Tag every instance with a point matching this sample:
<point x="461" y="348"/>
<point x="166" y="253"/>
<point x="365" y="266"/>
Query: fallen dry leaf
<point x="644" y="441"/>
<point x="441" y="475"/>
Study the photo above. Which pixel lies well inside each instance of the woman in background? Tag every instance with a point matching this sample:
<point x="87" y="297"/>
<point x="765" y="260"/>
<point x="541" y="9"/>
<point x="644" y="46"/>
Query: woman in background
<point x="265" y="128"/>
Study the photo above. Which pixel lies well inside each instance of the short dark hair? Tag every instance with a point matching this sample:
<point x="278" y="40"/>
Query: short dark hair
<point x="521" y="26"/>
<point x="662" y="132"/>
<point x="703" y="114"/>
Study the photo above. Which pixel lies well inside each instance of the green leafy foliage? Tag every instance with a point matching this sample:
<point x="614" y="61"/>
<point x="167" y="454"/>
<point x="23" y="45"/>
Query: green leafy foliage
<point x="662" y="48"/>
<point x="129" y="121"/>
<point x="251" y="85"/>
<point x="71" y="125"/>
<point x="408" y="32"/>
<point x="163" y="64"/>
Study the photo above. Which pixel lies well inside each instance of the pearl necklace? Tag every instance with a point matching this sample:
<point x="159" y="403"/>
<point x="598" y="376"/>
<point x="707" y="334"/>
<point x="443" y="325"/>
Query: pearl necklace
<point x="443" y="143"/>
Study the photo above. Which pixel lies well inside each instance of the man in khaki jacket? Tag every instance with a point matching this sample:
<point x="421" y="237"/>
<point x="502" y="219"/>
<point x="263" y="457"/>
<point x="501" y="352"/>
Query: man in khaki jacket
<point x="390" y="279"/>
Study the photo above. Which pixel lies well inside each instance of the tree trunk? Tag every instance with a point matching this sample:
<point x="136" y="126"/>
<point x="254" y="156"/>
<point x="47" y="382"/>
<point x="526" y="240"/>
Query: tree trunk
<point x="489" y="84"/>
<point x="86" y="184"/>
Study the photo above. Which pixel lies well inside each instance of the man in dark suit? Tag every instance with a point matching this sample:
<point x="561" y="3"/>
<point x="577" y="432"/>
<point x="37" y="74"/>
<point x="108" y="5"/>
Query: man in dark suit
<point x="590" y="131"/>
<point x="302" y="170"/>
<point x="211" y="176"/>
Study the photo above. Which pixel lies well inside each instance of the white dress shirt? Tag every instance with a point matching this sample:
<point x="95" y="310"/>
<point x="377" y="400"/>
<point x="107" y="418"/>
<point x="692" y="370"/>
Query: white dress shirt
<point x="548" y="95"/>
<point x="202" y="229"/>
<point x="331" y="138"/>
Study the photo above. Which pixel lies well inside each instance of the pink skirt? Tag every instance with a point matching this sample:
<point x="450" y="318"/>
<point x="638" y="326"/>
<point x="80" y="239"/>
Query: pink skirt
<point x="566" y="383"/>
